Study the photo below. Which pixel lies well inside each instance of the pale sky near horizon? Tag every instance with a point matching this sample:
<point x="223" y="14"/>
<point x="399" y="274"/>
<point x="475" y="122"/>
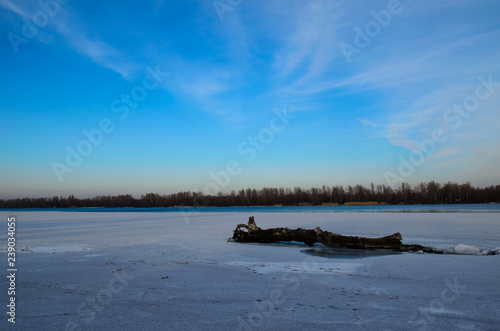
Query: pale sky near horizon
<point x="116" y="97"/>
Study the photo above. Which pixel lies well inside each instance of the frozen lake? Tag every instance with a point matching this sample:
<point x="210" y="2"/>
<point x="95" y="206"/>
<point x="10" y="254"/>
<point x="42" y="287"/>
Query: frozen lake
<point x="177" y="271"/>
<point x="426" y="208"/>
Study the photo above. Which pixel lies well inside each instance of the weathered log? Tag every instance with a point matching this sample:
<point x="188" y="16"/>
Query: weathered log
<point x="252" y="233"/>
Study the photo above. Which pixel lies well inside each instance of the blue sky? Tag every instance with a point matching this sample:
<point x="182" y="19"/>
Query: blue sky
<point x="232" y="94"/>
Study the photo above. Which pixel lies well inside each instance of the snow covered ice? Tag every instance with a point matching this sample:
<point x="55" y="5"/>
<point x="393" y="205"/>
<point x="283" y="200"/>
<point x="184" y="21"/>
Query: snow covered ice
<point x="146" y="271"/>
<point x="465" y="249"/>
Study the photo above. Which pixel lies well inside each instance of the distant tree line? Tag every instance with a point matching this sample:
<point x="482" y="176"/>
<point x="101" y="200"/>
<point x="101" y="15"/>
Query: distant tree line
<point x="423" y="193"/>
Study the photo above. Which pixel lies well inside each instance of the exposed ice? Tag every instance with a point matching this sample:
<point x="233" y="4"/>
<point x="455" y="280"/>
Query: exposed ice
<point x="60" y="249"/>
<point x="178" y="275"/>
<point x="311" y="267"/>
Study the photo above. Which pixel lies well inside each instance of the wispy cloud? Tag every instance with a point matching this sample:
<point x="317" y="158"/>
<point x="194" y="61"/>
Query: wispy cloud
<point x="66" y="24"/>
<point x="448" y="163"/>
<point x="98" y="51"/>
<point x="14" y="7"/>
<point x="309" y="43"/>
<point x="397" y="135"/>
<point x="367" y="123"/>
<point x="446" y="153"/>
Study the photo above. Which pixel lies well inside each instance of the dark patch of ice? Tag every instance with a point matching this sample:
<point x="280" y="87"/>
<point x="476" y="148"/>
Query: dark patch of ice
<point x="347" y="253"/>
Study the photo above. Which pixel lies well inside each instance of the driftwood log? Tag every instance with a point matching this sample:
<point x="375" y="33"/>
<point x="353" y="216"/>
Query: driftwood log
<point x="252" y="233"/>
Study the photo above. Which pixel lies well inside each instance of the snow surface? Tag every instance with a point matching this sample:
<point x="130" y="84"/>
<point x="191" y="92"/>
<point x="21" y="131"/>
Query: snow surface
<point x="177" y="271"/>
<point x="465" y="249"/>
